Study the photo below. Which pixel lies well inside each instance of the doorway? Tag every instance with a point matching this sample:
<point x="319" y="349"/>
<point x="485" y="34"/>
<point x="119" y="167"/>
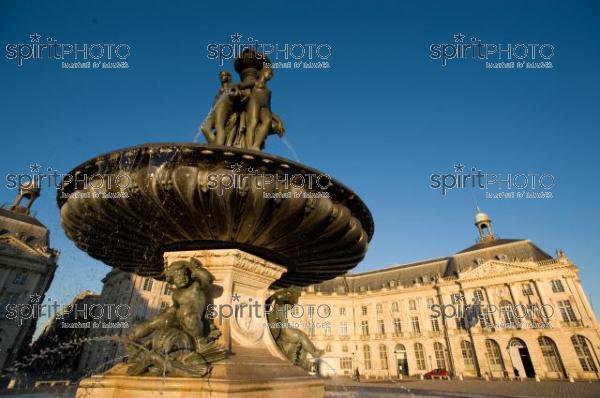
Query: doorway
<point x="521" y="360"/>
<point x="401" y="360"/>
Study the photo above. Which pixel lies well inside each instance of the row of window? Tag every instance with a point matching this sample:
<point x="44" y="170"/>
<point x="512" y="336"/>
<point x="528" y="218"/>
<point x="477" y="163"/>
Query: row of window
<point x="507" y="316"/>
<point x="493" y="355"/>
<point x="143" y="311"/>
<point x="149" y="282"/>
<point x="412" y="306"/>
<point x="557" y="287"/>
<point x="438" y="348"/>
<point x="344" y="330"/>
<point x="549" y="350"/>
<point x="414" y="320"/>
<point x="556" y="284"/>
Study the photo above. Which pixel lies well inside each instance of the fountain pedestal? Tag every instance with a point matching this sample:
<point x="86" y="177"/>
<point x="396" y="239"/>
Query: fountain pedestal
<point x="163" y="205"/>
<point x="255" y="366"/>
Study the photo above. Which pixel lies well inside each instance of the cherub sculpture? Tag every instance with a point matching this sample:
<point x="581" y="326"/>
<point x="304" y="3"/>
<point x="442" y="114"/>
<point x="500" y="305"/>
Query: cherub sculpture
<point x="180" y="340"/>
<point x="294" y="343"/>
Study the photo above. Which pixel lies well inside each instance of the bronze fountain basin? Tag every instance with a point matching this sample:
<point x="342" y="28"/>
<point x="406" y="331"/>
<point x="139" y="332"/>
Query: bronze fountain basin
<point x="163" y="198"/>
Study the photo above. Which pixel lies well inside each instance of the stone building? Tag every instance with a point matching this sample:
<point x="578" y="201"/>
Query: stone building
<point x="133" y="299"/>
<point x="27" y="266"/>
<point x="500" y="308"/>
<point x="56" y="352"/>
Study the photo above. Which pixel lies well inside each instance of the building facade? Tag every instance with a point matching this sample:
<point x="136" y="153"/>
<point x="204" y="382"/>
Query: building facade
<point x="55" y="354"/>
<point x="499" y="309"/>
<point x="143" y="298"/>
<point x="27" y="266"/>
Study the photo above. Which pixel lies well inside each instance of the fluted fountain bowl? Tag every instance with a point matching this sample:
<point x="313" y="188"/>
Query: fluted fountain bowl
<point x="127" y="207"/>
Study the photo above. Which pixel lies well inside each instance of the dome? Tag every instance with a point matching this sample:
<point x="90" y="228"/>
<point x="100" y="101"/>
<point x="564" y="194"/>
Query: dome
<point x="481" y="217"/>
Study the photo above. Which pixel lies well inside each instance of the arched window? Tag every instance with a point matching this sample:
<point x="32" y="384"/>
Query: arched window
<point x="367" y="356"/>
<point x="485" y="229"/>
<point x="550" y="353"/>
<point x="494" y="355"/>
<point x="383" y="356"/>
<point x="467" y="353"/>
<point x="438" y="349"/>
<point x="328" y="348"/>
<point x="420" y="356"/>
<point x="584" y="353"/>
<point x="507" y="311"/>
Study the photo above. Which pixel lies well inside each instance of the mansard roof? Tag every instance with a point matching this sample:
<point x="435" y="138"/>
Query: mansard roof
<point x="511" y="250"/>
<point x="23" y="224"/>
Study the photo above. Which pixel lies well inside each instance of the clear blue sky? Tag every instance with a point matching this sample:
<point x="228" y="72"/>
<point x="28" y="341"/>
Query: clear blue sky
<point x="382" y="119"/>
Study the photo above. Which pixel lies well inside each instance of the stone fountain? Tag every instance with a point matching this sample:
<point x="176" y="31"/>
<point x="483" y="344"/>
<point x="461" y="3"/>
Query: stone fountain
<point x="225" y="224"/>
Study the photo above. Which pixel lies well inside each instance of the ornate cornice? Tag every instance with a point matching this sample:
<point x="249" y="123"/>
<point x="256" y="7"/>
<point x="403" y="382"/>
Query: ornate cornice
<point x="494" y="268"/>
<point x="212" y="259"/>
<point x="12" y="246"/>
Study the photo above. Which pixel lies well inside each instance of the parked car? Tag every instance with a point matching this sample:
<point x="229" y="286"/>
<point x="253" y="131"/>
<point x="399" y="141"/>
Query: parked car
<point x="437" y="374"/>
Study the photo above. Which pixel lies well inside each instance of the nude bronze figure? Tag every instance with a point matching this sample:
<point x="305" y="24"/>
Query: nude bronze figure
<point x="180" y="337"/>
<point x="293" y="343"/>
<point x="241" y="114"/>
<point x="222" y="109"/>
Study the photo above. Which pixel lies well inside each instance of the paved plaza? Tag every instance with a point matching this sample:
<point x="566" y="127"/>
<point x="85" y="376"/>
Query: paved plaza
<point x="346" y="388"/>
<point x="342" y="388"/>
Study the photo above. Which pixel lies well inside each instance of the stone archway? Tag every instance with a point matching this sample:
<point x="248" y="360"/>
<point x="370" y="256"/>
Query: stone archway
<point x="520" y="358"/>
<point x="401" y="359"/>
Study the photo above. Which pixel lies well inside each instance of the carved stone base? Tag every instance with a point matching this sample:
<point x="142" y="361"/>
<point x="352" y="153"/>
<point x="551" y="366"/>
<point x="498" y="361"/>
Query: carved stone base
<point x="255" y="368"/>
<point x="251" y="373"/>
<point x="240" y="279"/>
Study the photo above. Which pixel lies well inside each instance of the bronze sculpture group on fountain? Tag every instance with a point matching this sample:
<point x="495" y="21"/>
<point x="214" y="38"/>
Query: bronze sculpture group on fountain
<point x="241" y="113"/>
